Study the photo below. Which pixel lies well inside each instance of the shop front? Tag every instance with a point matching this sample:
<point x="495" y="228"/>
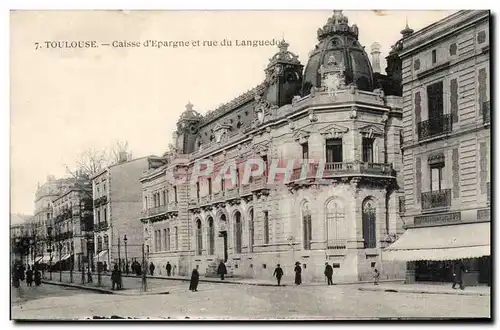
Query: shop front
<point x="431" y="252"/>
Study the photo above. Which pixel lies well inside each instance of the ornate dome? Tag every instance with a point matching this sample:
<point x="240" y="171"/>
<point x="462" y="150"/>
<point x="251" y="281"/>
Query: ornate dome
<point x="189" y="113"/>
<point x="338" y="41"/>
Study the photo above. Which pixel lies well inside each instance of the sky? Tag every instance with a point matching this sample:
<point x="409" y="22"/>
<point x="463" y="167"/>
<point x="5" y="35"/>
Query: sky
<point x="65" y="100"/>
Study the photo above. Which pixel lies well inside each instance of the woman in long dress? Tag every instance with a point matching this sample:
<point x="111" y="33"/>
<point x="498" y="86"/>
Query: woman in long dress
<point x="298" y="273"/>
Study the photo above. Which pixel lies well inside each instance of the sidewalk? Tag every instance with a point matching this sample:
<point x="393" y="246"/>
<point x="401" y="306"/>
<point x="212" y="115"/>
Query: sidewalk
<point x="428" y="289"/>
<point x="133" y="282"/>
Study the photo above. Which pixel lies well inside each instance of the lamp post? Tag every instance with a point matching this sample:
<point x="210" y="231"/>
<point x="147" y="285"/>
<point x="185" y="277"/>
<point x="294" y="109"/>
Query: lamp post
<point x="71" y="262"/>
<point x="126" y="258"/>
<point x="60" y="261"/>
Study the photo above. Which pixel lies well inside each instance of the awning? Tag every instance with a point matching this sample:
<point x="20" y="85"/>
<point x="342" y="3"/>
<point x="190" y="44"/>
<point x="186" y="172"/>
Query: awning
<point x="102" y="256"/>
<point x="46" y="259"/>
<point x="38" y="259"/>
<point x="450" y="242"/>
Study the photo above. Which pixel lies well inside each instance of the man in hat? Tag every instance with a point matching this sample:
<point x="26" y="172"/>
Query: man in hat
<point x="298" y="273"/>
<point x="278" y="272"/>
<point x="329" y="273"/>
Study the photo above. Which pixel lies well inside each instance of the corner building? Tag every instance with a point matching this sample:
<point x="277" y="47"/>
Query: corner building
<point x="334" y="111"/>
<point x="447" y="149"/>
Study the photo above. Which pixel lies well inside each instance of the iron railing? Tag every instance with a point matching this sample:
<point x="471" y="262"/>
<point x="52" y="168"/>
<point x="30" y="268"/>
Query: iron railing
<point x="434" y="127"/>
<point x="433" y="199"/>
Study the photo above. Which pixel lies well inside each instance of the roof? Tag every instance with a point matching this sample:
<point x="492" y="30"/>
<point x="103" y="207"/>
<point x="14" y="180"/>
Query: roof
<point x="95" y="175"/>
<point x="19" y="219"/>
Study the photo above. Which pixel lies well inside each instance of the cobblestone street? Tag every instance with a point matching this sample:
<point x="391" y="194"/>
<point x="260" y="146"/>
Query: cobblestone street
<point x="243" y="301"/>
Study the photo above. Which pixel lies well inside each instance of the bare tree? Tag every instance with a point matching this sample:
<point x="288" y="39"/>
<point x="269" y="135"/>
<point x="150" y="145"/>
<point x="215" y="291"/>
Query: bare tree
<point x="91" y="161"/>
<point x="118" y="150"/>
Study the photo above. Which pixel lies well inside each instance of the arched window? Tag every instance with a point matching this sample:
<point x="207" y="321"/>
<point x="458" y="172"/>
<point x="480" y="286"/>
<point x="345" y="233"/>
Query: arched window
<point x="106" y="243"/>
<point x="211" y="236"/>
<point x="336" y="226"/>
<point x="306" y="225"/>
<point x="99" y="244"/>
<point x="250" y="231"/>
<point x="199" y="238"/>
<point x="369" y="224"/>
<point x="237" y="232"/>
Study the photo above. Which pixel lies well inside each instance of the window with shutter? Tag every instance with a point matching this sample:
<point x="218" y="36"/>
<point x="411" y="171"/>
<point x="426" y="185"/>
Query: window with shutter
<point x="455" y="175"/>
<point x="418" y="179"/>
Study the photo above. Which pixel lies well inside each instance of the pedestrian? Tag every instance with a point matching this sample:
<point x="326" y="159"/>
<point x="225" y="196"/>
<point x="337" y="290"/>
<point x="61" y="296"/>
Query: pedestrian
<point x="22" y="269"/>
<point x="329" y="273"/>
<point x="458" y="274"/>
<point x="89" y="275"/>
<point x="278" y="272"/>
<point x="29" y="276"/>
<point x="151" y="268"/>
<point x="298" y="273"/>
<point x="38" y="277"/>
<point x="127" y="267"/>
<point x="222" y="270"/>
<point x="195" y="276"/>
<point x="114" y="277"/>
<point x="376" y="276"/>
<point x="169" y="268"/>
<point x="105" y="267"/>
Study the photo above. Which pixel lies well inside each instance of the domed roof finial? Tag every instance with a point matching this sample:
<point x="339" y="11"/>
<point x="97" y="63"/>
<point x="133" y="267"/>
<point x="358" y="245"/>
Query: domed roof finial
<point x="189" y="106"/>
<point x="337" y="24"/>
<point x="407" y="31"/>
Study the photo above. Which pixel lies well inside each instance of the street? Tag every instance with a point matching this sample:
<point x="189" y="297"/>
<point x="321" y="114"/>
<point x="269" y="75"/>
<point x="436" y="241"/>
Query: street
<point x="225" y="301"/>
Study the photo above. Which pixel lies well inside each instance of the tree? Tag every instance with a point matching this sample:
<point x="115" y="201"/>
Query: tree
<point x="91" y="161"/>
<point x="118" y="150"/>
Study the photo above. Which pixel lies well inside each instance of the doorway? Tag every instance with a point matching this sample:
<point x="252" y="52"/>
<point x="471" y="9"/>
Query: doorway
<point x="224" y="237"/>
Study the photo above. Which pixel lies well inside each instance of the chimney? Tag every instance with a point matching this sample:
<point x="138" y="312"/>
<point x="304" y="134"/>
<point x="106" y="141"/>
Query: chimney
<point x="375" y="52"/>
<point x="122" y="157"/>
<point x="51" y="178"/>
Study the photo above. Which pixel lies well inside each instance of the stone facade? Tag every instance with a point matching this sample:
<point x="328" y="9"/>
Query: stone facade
<point x="446" y="116"/>
<point x="71" y="223"/>
<point x="117" y="205"/>
<point x="345" y="217"/>
<point x="44" y="213"/>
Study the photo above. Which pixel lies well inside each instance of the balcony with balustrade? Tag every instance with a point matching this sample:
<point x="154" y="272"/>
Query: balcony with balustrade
<point x="101" y="226"/>
<point x="332" y="170"/>
<point x="439" y="199"/>
<point x="434" y="127"/>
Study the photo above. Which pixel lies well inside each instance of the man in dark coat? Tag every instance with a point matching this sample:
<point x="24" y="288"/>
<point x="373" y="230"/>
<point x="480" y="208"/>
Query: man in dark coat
<point x="195" y="276"/>
<point x="458" y="273"/>
<point x="38" y="277"/>
<point x="29" y="276"/>
<point x="278" y="272"/>
<point x="151" y="269"/>
<point x="329" y="273"/>
<point x="298" y="273"/>
<point x="221" y="270"/>
<point x="114" y="278"/>
<point x="169" y="268"/>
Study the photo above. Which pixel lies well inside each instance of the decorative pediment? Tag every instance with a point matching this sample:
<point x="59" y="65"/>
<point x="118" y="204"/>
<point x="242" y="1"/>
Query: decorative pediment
<point x="370" y="131"/>
<point x="333" y="131"/>
<point x="301" y="136"/>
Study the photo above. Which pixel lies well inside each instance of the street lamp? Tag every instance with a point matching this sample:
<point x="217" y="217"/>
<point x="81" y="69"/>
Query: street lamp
<point x="126" y="258"/>
<point x="60" y="261"/>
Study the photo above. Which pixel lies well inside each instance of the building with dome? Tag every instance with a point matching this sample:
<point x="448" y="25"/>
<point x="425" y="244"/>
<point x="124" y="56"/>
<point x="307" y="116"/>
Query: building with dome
<point x="334" y="111"/>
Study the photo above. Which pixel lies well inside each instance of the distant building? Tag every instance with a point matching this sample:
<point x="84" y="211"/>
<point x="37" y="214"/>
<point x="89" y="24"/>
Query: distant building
<point x="21" y="238"/>
<point x="117" y="194"/>
<point x="446" y="148"/>
<point x="334" y="111"/>
<point x="72" y="224"/>
<point x="43" y="213"/>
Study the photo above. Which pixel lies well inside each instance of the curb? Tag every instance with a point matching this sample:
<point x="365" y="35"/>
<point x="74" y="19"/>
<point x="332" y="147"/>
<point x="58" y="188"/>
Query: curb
<point x="461" y="293"/>
<point x="79" y="286"/>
